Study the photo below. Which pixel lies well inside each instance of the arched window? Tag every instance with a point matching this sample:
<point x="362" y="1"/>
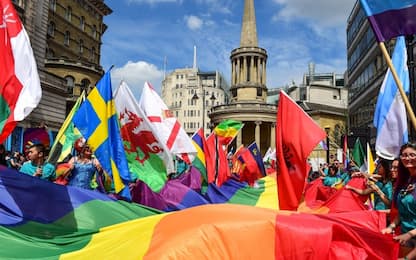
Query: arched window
<point x="51" y="29"/>
<point x="66" y="38"/>
<point x="69" y="84"/>
<point x="85" y="84"/>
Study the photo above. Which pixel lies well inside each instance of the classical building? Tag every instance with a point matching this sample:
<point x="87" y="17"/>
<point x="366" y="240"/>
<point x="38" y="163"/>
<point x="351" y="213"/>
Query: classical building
<point x="190" y="93"/>
<point x="364" y="75"/>
<point x="248" y="101"/>
<point x="66" y="40"/>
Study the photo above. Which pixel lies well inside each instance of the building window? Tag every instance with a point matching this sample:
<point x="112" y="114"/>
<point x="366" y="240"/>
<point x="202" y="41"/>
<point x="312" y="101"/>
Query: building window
<point x="94" y="31"/>
<point x="50" y="53"/>
<point x="68" y="14"/>
<point x="69" y="84"/>
<point x="259" y="92"/>
<point x="66" y="38"/>
<point x="51" y="29"/>
<point x="82" y="23"/>
<point x="85" y="84"/>
<point x="52" y="5"/>
<point x="92" y="54"/>
<point x="81" y="46"/>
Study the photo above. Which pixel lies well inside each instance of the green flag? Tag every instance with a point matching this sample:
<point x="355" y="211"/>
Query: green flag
<point x="358" y="154"/>
<point x="66" y="136"/>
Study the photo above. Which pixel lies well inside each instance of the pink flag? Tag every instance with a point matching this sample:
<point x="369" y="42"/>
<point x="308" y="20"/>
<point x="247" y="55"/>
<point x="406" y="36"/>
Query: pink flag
<point x="20" y="88"/>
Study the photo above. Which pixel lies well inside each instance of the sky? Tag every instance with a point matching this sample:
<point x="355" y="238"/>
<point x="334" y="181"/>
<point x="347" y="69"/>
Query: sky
<point x="147" y="39"/>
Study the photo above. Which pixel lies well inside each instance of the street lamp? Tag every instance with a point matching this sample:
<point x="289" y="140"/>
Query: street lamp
<point x="327" y="128"/>
<point x="195" y="97"/>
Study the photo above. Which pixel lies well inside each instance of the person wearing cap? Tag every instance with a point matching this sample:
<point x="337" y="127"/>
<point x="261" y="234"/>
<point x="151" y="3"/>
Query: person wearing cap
<point x="37" y="166"/>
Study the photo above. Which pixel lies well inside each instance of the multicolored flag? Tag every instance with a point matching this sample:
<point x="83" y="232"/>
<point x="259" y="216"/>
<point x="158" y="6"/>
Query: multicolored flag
<point x="390" y="18"/>
<point x="296" y="136"/>
<point x="200" y="161"/>
<point x="96" y="119"/>
<point x="227" y="130"/>
<point x="170" y="131"/>
<point x="390" y="117"/>
<point x="20" y="90"/>
<point x="66" y="136"/>
<point x="148" y="157"/>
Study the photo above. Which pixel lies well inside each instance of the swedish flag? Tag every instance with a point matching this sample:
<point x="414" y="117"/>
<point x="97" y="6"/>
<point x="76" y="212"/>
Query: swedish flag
<point x="96" y="119"/>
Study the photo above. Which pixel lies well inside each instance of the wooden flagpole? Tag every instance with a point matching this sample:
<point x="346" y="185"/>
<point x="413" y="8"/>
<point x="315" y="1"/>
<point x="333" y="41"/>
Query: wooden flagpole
<point x="399" y="84"/>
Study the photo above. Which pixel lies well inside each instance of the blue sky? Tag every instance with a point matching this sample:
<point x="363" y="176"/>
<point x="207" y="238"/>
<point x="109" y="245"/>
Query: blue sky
<point x="142" y="33"/>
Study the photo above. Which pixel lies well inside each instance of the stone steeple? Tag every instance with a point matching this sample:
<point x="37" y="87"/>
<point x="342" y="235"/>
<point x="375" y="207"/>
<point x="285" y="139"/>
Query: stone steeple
<point x="248" y="63"/>
<point x="249" y="30"/>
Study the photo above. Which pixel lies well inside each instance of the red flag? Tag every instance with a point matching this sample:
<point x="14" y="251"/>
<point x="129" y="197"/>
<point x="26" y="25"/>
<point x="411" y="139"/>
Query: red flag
<point x="20" y="90"/>
<point x="217" y="163"/>
<point x="296" y="136"/>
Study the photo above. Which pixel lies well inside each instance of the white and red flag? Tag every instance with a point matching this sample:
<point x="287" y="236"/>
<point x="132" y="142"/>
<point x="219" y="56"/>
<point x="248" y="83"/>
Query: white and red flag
<point x="169" y="130"/>
<point x="296" y="136"/>
<point x="20" y="90"/>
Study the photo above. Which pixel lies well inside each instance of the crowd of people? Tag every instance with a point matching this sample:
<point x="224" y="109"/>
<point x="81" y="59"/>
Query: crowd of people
<point x="392" y="187"/>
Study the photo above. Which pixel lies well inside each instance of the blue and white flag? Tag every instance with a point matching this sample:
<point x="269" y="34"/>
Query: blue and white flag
<point x="390" y="115"/>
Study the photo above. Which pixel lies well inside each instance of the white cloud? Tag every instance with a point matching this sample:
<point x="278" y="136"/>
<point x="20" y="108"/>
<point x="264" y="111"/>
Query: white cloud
<point x="321" y="13"/>
<point x="193" y="22"/>
<point x="135" y="74"/>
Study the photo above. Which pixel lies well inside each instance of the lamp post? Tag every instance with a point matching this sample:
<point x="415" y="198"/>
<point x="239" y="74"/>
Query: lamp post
<point x="195" y="97"/>
<point x="327" y="128"/>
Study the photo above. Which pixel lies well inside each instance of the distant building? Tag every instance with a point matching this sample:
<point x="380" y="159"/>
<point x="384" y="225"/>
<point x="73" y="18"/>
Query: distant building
<point x="66" y="41"/>
<point x="190" y="93"/>
<point x="364" y="75"/>
<point x="248" y="102"/>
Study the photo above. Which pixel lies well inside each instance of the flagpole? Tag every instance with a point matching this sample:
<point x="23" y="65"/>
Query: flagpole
<point x="399" y="84"/>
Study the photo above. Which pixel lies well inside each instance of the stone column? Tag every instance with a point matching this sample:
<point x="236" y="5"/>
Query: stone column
<point x="257" y="133"/>
<point x="273" y="135"/>
<point x="239" y="71"/>
<point x="245" y="70"/>
<point x="239" y="139"/>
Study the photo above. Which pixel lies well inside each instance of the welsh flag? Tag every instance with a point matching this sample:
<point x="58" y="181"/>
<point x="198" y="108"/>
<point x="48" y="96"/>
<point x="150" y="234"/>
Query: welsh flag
<point x="148" y="158"/>
<point x="170" y="131"/>
<point x="20" y="90"/>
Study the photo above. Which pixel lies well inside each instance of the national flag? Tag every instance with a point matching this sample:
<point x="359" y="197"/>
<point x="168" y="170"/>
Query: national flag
<point x="67" y="135"/>
<point x="390" y="18"/>
<point x="218" y="170"/>
<point x="148" y="158"/>
<point x="227" y="130"/>
<point x="170" y="131"/>
<point x="200" y="161"/>
<point x="255" y="151"/>
<point x="96" y="119"/>
<point x="296" y="136"/>
<point x="252" y="169"/>
<point x="20" y="89"/>
<point x="358" y="154"/>
<point x="237" y="165"/>
<point x="390" y="114"/>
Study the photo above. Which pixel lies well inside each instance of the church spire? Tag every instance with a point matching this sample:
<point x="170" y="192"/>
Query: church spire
<point x="248" y="29"/>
